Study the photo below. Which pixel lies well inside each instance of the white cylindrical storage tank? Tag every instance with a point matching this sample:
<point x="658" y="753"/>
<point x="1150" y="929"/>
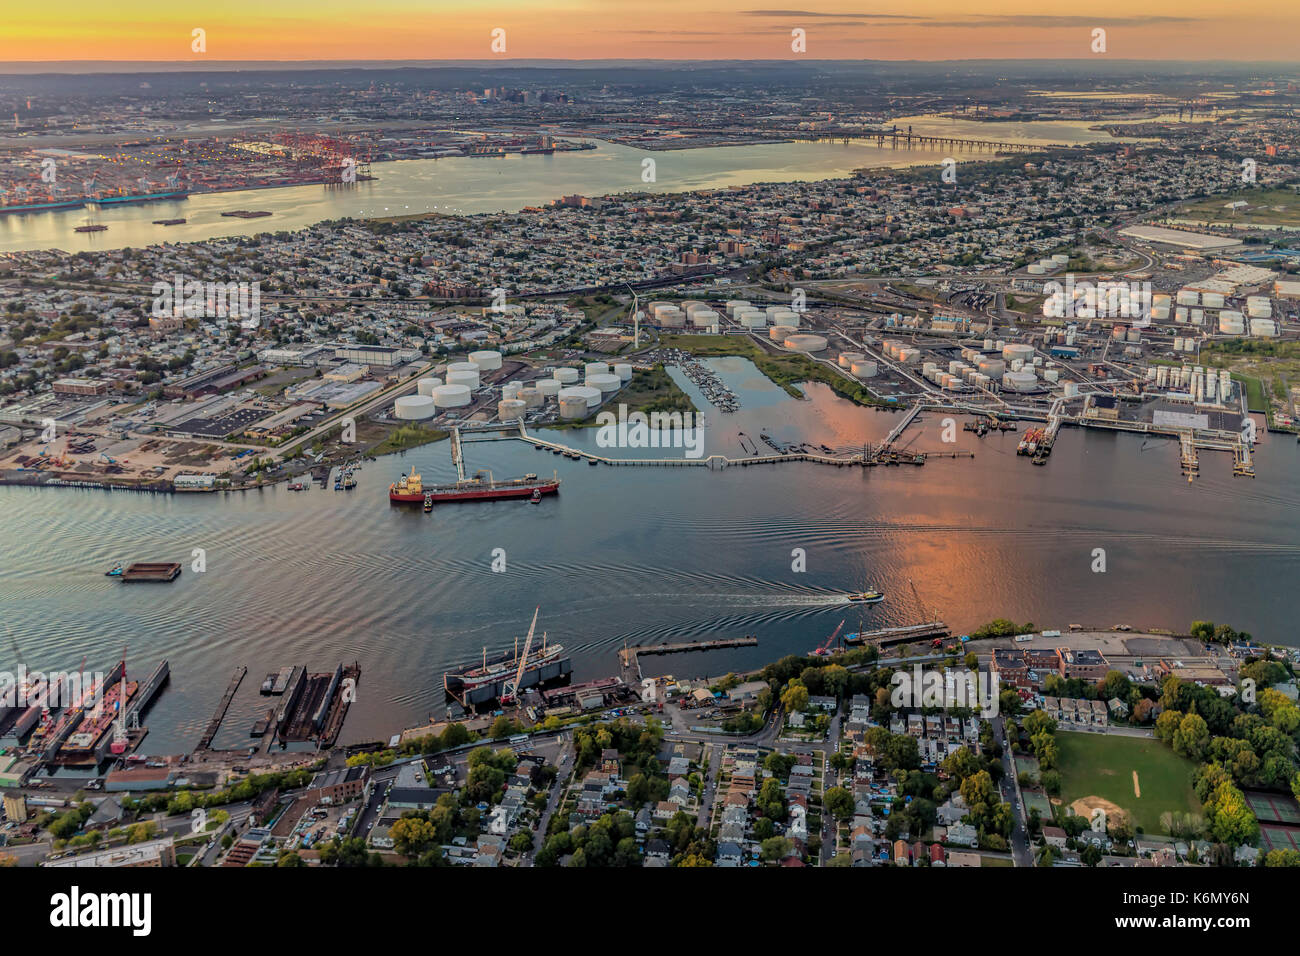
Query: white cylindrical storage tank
<point x="567" y="376"/>
<point x="779" y="333"/>
<point x="508" y="409"/>
<point x="754" y="320"/>
<point x="671" y="317"/>
<point x="954" y="368"/>
<point x="425" y="386"/>
<point x="993" y="367"/>
<point x="606" y="383"/>
<point x="1231" y="322"/>
<point x="1212" y="300"/>
<point x="573" y="407"/>
<point x="1051" y="375"/>
<point x="734" y="304"/>
<point x="462" y="373"/>
<point x="1019" y="381"/>
<point x="1180" y="314"/>
<point x="1160" y="313"/>
<point x="588" y="393"/>
<point x="804" y="342"/>
<point x="595" y="368"/>
<point x="414" y="408"/>
<point x="1036" y="269"/>
<point x="847" y="359"/>
<point x="487" y="360"/>
<point x="863" y="368"/>
<point x="548" y="387"/>
<point x="785" y="317"/>
<point x="1015" y="350"/>
<point x="1188" y="297"/>
<point x="530" y="396"/>
<point x="1071" y="389"/>
<point x="624" y="371"/>
<point x="1060" y="259"/>
<point x="909" y="356"/>
<point x="511" y="389"/>
<point x="451" y="395"/>
<point x="703" y="318"/>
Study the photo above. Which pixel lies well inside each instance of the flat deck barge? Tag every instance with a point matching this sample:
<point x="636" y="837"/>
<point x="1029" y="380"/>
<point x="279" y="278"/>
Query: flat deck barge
<point x="152" y="571"/>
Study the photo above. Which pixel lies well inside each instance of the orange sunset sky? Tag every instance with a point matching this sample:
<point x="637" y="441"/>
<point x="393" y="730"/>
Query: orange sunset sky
<point x="651" y="29"/>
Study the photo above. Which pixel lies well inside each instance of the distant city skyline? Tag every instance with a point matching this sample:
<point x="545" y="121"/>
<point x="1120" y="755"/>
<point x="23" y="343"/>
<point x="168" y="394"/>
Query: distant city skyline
<point x="341" y="30"/>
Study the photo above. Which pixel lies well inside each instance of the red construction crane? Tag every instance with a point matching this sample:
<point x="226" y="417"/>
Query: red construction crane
<point x="825" y="649"/>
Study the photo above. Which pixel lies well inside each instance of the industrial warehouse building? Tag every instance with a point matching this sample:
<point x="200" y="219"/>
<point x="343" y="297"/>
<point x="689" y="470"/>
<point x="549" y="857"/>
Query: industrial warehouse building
<point x="1178" y="239"/>
<point x="385" y="355"/>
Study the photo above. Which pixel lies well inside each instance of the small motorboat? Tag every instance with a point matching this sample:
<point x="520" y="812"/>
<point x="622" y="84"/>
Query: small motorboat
<point x="297" y="486"/>
<point x="114" y="572"/>
<point x="866" y="597"/>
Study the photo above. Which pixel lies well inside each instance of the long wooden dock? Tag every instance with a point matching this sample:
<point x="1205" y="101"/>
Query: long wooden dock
<point x="215" y="724"/>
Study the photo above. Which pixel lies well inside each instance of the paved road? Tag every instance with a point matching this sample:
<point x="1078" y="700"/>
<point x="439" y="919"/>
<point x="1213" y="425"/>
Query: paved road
<point x="1021" y="854"/>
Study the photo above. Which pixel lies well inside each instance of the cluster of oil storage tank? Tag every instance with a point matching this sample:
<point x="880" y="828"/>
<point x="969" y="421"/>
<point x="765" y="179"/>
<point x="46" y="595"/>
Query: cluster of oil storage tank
<point x="431" y="395"/>
<point x="1122" y="333"/>
<point x="858" y="364"/>
<point x="954" y="377"/>
<point x="1204" y="385"/>
<point x="901" y="353"/>
<point x="600" y="380"/>
<point x="1184" y="343"/>
<point x="1089" y="300"/>
<point x="1043" y="266"/>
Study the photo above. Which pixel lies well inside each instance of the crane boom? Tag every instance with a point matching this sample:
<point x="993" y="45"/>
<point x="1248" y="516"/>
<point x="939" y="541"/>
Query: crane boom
<point x="512" y="691"/>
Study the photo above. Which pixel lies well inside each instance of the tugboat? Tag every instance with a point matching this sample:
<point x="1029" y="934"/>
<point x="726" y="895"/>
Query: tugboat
<point x="428" y="503"/>
<point x="348" y="481"/>
<point x="535" y="499"/>
<point x="296" y="486"/>
<point x="115" y="571"/>
<point x="866" y="597"/>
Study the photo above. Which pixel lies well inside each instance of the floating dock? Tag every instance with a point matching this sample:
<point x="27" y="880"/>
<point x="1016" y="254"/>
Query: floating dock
<point x="151" y="571"/>
<point x="902" y="635"/>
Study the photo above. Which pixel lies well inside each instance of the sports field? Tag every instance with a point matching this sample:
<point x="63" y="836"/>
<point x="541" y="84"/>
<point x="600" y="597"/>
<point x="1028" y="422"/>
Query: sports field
<point x="1138" y="775"/>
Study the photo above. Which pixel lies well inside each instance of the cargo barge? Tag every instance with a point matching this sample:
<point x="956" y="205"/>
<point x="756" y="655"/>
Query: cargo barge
<point x="488" y="680"/>
<point x="482" y="487"/>
<point x="151" y="571"/>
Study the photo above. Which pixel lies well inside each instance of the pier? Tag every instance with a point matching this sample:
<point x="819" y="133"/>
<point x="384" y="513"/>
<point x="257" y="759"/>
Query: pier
<point x="215" y="724"/>
<point x="520" y="432"/>
<point x="629" y="657"/>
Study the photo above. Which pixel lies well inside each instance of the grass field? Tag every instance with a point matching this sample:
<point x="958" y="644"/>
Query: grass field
<point x="1102" y="765"/>
<point x="1265" y="207"/>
